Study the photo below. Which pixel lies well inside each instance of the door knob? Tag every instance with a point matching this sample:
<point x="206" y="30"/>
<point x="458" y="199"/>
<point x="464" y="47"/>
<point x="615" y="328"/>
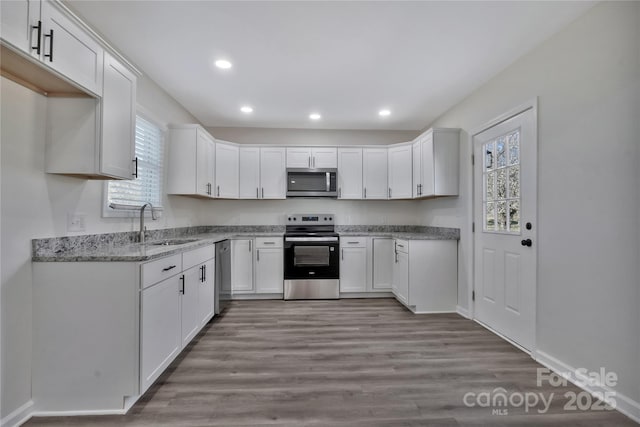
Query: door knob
<point x="526" y="242"/>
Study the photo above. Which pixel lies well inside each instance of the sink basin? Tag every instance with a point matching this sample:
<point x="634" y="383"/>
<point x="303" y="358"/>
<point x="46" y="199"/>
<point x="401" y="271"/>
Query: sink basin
<point x="171" y="242"/>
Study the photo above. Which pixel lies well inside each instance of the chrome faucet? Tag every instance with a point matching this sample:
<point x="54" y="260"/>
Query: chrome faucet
<point x="142" y="227"/>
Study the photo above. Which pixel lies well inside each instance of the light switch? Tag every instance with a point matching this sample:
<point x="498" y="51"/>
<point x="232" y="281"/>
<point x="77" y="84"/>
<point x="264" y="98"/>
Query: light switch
<point x="76" y="222"/>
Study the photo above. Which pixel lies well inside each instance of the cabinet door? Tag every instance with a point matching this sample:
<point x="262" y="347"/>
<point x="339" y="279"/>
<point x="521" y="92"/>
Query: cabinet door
<point x="350" y="173"/>
<point x="401" y="277"/>
<point x="16" y="21"/>
<point x="428" y="180"/>
<point x="400" y="173"/>
<point x="205" y="164"/>
<point x="242" y="266"/>
<point x="383" y="260"/>
<point x="299" y="157"/>
<point x="227" y="162"/>
<point x="69" y="50"/>
<point x="353" y="269"/>
<point x="324" y="157"/>
<point x="374" y="177"/>
<point x="273" y="173"/>
<point x="269" y="270"/>
<point x="118" y="120"/>
<point x="206" y="296"/>
<point x="249" y="173"/>
<point x="417" y="169"/>
<point x="189" y="304"/>
<point x="159" y="329"/>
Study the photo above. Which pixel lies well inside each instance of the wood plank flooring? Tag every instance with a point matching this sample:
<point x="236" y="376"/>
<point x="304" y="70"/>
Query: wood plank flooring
<point x="341" y="363"/>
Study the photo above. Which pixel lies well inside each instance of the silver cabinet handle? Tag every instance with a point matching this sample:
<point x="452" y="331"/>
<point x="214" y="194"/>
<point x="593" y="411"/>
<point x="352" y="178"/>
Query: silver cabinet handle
<point x="343" y="254"/>
<point x="257" y="193"/>
<point x="309" y="161"/>
<point x="314" y="161"/>
<point x="263" y="192"/>
<point x="250" y="245"/>
<point x="365" y="192"/>
<point x="269" y="243"/>
<point x="257" y="254"/>
<point x="218" y="191"/>
<point x="353" y="243"/>
<point x="389" y="192"/>
<point x="339" y="193"/>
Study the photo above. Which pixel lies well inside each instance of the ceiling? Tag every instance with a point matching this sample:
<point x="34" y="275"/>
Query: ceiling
<point x="344" y="60"/>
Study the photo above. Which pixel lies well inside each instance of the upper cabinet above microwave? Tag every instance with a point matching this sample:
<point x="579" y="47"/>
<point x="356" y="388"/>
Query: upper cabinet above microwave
<point x="312" y="157"/>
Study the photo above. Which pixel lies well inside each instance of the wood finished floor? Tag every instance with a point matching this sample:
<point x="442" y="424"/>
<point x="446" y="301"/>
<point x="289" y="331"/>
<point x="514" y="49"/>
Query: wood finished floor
<point x="341" y="363"/>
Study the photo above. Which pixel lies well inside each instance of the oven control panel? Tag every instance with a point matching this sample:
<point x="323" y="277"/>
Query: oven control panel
<point x="310" y="219"/>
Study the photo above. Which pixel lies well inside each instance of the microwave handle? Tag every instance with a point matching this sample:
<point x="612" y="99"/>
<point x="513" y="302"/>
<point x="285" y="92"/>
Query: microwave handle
<point x="328" y="174"/>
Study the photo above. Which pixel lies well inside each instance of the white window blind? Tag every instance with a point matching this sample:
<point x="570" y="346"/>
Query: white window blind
<point x="147" y="187"/>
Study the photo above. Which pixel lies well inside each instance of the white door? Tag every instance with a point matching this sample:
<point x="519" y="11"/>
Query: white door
<point x="249" y="173"/>
<point x="189" y="309"/>
<point x="417" y="168"/>
<point x="269" y="270"/>
<point x="400" y="285"/>
<point x="206" y="291"/>
<point x="374" y="175"/>
<point x="350" y="173"/>
<point x="273" y="173"/>
<point x="205" y="164"/>
<point x="383" y="258"/>
<point x="324" y="158"/>
<point x="18" y="19"/>
<point x="227" y="176"/>
<point x="353" y="269"/>
<point x="242" y="266"/>
<point x="400" y="173"/>
<point x="118" y="120"/>
<point x="505" y="221"/>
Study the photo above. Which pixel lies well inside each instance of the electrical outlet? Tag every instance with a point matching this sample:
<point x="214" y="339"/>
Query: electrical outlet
<point x="76" y="222"/>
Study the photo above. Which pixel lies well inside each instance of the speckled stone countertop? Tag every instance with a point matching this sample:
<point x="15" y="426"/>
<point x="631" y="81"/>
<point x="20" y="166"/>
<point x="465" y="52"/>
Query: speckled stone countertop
<point x="123" y="246"/>
<point x="408" y="232"/>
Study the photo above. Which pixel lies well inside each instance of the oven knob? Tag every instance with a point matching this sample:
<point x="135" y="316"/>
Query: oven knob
<point x="325" y="218"/>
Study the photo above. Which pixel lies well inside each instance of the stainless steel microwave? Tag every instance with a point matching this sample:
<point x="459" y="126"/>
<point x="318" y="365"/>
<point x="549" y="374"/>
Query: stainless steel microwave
<point x="302" y="182"/>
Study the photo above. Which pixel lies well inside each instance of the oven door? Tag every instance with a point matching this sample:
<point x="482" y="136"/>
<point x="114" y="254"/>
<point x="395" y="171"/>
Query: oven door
<point x="311" y="258"/>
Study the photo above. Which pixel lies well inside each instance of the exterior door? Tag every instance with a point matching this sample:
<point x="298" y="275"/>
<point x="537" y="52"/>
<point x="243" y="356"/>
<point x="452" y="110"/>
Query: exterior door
<point x="505" y="220"/>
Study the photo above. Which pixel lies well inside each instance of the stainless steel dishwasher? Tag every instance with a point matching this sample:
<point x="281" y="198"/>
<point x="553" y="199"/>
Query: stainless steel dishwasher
<point x="223" y="275"/>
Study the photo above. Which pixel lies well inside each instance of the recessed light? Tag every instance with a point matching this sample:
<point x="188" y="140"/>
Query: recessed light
<point x="315" y="116"/>
<point x="384" y="113"/>
<point x="246" y="109"/>
<point x="223" y="63"/>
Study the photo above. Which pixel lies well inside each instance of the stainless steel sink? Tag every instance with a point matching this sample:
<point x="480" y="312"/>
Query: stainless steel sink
<point x="171" y="242"/>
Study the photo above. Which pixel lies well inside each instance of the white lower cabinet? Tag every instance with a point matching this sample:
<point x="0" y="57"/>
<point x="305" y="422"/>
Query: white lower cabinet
<point x="269" y="271"/>
<point x="160" y="330"/>
<point x="206" y="296"/>
<point x="425" y="275"/>
<point x="382" y="255"/>
<point x="189" y="290"/>
<point x="353" y="264"/>
<point x="242" y="266"/>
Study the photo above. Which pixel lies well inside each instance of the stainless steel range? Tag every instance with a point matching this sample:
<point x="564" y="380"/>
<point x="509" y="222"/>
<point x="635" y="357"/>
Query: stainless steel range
<point x="311" y="260"/>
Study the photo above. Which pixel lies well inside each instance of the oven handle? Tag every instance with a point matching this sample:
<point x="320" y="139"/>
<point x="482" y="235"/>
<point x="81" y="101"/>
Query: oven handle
<point x="311" y="239"/>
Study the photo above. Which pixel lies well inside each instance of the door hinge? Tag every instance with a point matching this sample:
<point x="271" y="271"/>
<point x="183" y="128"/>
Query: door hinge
<point x="473" y="295"/>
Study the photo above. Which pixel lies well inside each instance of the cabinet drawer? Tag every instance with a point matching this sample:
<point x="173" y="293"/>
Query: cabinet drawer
<point x="160" y="269"/>
<point x="353" y="242"/>
<point x="197" y="256"/>
<point x="402" y="246"/>
<point x="268" y="242"/>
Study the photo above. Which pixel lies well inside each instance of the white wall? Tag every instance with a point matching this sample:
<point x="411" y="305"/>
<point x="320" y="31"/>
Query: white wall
<point x="311" y="136"/>
<point x="35" y="204"/>
<point x="587" y="78"/>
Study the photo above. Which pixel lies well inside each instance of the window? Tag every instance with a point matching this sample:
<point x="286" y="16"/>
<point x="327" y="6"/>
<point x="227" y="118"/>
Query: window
<point x="502" y="184"/>
<point x="147" y="187"/>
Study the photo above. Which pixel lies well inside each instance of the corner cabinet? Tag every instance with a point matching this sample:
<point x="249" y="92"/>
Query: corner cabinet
<point x="400" y="172"/>
<point x="191" y="162"/>
<point x="425" y="275"/>
<point x="436" y="163"/>
<point x="94" y="138"/>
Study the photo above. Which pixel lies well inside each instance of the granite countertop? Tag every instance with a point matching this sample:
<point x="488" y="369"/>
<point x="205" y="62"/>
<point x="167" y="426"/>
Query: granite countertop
<point x="122" y="247"/>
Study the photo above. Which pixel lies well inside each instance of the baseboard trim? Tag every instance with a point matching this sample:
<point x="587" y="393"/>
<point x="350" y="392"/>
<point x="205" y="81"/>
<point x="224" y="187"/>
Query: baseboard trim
<point x="256" y="296"/>
<point x="18" y="417"/>
<point x="378" y="294"/>
<point x="79" y="413"/>
<point x="463" y="312"/>
<point x="624" y="404"/>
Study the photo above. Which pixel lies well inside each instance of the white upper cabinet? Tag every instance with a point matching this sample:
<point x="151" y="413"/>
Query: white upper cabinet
<point x="316" y="157"/>
<point x="118" y="120"/>
<point x="400" y="172"/>
<point x="191" y="161"/>
<point x="374" y="176"/>
<point x="94" y="138"/>
<point x="324" y="158"/>
<point x="68" y="49"/>
<point x="19" y="25"/>
<point x="249" y="173"/>
<point x="298" y="157"/>
<point x="439" y="165"/>
<point x="273" y="173"/>
<point x="226" y="170"/>
<point x="416" y="149"/>
<point x="350" y="173"/>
